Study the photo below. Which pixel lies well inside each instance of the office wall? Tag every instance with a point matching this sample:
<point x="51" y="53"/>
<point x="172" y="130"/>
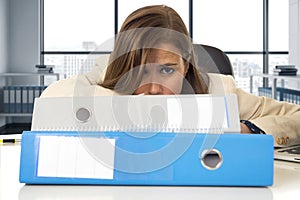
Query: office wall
<point x="294" y="39"/>
<point x="19" y="41"/>
<point x="23" y="42"/>
<point x="3" y="44"/>
<point x="3" y="36"/>
<point x="294" y="35"/>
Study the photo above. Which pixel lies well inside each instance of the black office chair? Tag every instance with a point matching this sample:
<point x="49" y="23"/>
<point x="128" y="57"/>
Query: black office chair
<point x="212" y="59"/>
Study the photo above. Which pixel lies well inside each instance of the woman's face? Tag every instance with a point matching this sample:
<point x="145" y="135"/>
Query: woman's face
<point x="163" y="74"/>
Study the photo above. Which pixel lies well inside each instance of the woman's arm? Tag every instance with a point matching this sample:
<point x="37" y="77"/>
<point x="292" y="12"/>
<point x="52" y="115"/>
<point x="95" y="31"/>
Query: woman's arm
<point x="281" y="119"/>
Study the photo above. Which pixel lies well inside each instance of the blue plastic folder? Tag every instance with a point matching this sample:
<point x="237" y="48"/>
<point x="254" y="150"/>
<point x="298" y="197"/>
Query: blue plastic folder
<point x="166" y="158"/>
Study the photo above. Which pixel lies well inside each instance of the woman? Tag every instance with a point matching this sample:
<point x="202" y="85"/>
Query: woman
<point x="153" y="54"/>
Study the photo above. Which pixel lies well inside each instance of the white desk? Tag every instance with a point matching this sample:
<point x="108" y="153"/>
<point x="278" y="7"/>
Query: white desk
<point x="274" y="79"/>
<point x="286" y="186"/>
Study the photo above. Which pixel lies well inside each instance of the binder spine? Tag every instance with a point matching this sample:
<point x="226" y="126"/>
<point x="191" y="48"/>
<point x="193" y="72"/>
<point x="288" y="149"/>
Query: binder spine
<point x="12" y="99"/>
<point x="6" y="93"/>
<point x="20" y="98"/>
<point x="25" y="99"/>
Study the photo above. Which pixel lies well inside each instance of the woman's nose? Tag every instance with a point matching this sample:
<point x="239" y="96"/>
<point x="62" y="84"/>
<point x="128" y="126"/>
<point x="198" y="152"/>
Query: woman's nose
<point x="154" y="88"/>
<point x="152" y="84"/>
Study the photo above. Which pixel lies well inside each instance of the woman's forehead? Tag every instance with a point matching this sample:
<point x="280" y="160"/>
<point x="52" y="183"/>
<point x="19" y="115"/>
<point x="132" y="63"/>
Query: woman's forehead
<point x="167" y="47"/>
<point x="158" y="54"/>
<point x="164" y="51"/>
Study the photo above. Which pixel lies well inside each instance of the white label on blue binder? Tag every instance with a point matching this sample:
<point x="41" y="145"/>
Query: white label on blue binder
<point x="68" y="156"/>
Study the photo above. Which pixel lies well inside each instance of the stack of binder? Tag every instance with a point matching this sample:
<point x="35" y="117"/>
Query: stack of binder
<point x="45" y="68"/>
<point x="285" y="70"/>
<point x="143" y="140"/>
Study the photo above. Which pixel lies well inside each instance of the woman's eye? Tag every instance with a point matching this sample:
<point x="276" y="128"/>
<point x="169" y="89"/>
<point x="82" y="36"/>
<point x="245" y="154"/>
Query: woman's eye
<point x="166" y="70"/>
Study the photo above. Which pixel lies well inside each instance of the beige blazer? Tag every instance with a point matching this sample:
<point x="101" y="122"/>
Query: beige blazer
<point x="280" y="119"/>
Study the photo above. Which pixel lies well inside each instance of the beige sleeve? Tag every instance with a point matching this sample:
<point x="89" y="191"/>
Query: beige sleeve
<point x="281" y="119"/>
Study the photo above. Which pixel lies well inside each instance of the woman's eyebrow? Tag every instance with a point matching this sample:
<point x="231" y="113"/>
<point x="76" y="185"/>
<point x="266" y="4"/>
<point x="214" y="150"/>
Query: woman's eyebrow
<point x="168" y="64"/>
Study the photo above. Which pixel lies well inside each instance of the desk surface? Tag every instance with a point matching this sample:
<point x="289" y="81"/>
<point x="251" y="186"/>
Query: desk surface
<point x="286" y="186"/>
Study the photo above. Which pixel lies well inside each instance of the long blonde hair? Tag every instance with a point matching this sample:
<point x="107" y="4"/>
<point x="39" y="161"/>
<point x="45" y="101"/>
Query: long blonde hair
<point x="143" y="31"/>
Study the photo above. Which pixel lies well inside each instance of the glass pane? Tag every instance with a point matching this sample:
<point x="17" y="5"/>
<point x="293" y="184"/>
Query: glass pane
<point x="278" y="25"/>
<point x="77" y="25"/>
<point x="245" y="65"/>
<point x="277" y="59"/>
<point x="128" y="6"/>
<point x="231" y="25"/>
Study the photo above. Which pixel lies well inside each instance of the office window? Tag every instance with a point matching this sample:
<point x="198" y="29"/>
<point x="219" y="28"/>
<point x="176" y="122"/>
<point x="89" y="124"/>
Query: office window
<point x="127" y="6"/>
<point x="72" y="29"/>
<point x="278" y="25"/>
<point x="77" y="25"/>
<point x="231" y="25"/>
<point x="243" y="66"/>
<point x="278" y="33"/>
<point x="237" y="27"/>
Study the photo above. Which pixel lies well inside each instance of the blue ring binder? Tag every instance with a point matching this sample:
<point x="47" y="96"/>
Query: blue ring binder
<point x="247" y="160"/>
